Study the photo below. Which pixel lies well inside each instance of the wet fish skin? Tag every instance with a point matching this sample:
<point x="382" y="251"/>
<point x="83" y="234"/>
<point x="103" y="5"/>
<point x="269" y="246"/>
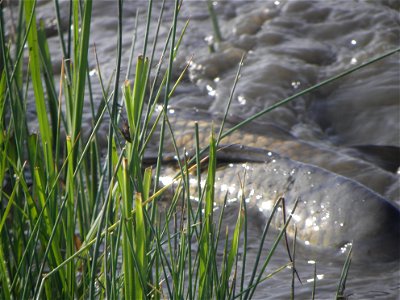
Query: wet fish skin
<point x="333" y="210"/>
<point x="278" y="140"/>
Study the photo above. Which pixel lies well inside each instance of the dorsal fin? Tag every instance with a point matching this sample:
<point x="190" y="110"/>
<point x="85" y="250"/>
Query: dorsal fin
<point x="385" y="157"/>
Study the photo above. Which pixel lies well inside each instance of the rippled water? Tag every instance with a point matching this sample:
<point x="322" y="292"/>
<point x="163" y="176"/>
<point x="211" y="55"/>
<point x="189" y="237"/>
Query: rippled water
<point x="289" y="46"/>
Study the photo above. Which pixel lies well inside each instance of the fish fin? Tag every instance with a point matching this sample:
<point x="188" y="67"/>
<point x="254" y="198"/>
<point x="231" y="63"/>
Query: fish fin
<point x="386" y="157"/>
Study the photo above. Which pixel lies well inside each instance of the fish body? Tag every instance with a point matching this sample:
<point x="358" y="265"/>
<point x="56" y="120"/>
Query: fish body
<point x="333" y="211"/>
<point x="348" y="163"/>
<point x="343" y="198"/>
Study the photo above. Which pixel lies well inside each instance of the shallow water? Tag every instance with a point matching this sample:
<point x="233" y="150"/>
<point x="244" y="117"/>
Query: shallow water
<point x="290" y="46"/>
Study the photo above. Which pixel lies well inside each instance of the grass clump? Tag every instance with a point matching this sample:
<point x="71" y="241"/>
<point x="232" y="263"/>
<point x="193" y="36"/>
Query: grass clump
<point x="74" y="224"/>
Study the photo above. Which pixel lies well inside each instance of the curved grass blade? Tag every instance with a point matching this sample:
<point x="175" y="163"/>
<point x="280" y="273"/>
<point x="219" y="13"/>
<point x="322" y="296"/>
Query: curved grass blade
<point x="35" y="66"/>
<point x="343" y="276"/>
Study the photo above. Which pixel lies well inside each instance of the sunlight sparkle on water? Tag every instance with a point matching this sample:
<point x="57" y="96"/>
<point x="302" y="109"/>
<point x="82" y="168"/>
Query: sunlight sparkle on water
<point x="92" y="72"/>
<point x="242" y="100"/>
<point x="194" y="181"/>
<point x="295" y="84"/>
<point x="228" y="188"/>
<point x="325" y="217"/>
<point x="296" y="218"/>
<point x="232" y="200"/>
<point x="252" y="191"/>
<point x="266" y="205"/>
<point x="344" y="249"/>
<point x="72" y="29"/>
<point x="195" y="66"/>
<point x="246" y="166"/>
<point x="211" y="91"/>
<point x="319" y="277"/>
<point x="166" y="180"/>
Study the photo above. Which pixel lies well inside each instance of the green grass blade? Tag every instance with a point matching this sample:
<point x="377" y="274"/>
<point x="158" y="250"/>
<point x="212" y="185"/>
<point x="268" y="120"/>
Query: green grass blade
<point x="4" y="277"/>
<point x="2" y="95"/>
<point x="214" y="20"/>
<point x="308" y="90"/>
<point x="233" y="252"/>
<point x="48" y="77"/>
<point x="35" y="67"/>
<point x="70" y="219"/>
<point x="81" y="65"/>
<point x="274" y="246"/>
<point x="140" y="241"/>
<point x="127" y="234"/>
<point x="9" y="204"/>
<point x="205" y="242"/>
<point x="314" y="282"/>
<point x="244" y="247"/>
<point x="235" y="81"/>
<point x="167" y="89"/>
<point x="133" y="43"/>
<point x="343" y="276"/>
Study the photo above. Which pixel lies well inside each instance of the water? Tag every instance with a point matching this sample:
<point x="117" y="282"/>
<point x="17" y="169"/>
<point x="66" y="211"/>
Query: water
<point x="290" y="45"/>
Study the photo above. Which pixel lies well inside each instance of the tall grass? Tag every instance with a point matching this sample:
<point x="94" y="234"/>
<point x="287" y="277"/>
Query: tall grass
<point x="75" y="225"/>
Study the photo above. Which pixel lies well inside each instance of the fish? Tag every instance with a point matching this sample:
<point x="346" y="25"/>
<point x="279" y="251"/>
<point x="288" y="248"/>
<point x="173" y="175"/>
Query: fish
<point x="342" y="197"/>
<point x="345" y="162"/>
<point x="332" y="213"/>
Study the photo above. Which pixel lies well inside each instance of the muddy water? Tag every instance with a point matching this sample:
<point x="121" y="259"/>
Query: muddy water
<point x="289" y="46"/>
